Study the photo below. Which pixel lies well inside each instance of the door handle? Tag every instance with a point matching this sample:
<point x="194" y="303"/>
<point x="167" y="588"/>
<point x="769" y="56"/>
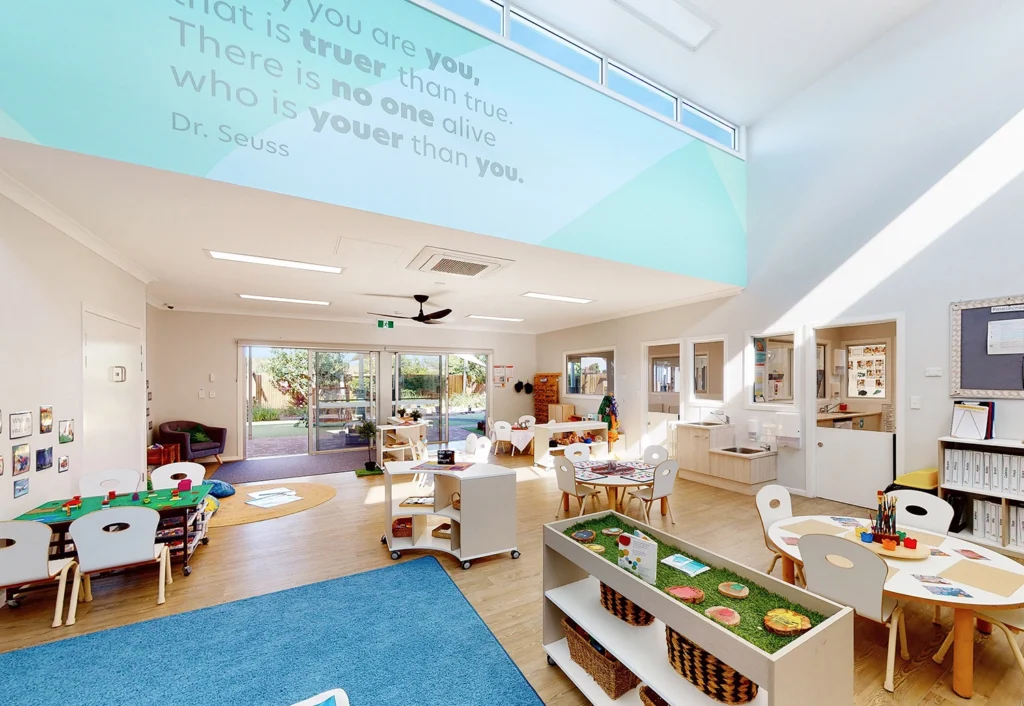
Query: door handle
<point x="821" y="445"/>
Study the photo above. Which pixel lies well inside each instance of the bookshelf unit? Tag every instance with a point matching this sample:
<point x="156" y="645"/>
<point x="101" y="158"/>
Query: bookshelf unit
<point x="1006" y="495"/>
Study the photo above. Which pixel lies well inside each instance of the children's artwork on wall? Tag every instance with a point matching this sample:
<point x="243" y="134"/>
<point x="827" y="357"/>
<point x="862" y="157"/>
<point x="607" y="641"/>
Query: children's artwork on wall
<point x="20" y="487"/>
<point x="21" y="425"/>
<point x="66" y="431"/>
<point x="63" y="464"/>
<point x="21" y="459"/>
<point x="151" y="426"/>
<point x="45" y="420"/>
<point x="44" y="459"/>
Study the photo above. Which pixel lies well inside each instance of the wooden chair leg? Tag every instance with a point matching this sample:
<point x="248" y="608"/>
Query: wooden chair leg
<point x="937" y="615"/>
<point x="647" y="510"/>
<point x="800" y="575"/>
<point x="218" y="459"/>
<point x="87" y="580"/>
<point x="558" y="510"/>
<point x="75" y="586"/>
<point x="58" y="613"/>
<point x="771" y="567"/>
<point x="890" y="660"/>
<point x="170" y="573"/>
<point x="1014" y="647"/>
<point x="161" y="599"/>
<point x="941" y="654"/>
<point x="670" y="515"/>
<point x="583" y="507"/>
<point x="904" y="652"/>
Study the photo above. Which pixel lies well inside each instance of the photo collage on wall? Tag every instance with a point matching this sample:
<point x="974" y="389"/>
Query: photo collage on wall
<point x="20" y="430"/>
<point x="866" y="368"/>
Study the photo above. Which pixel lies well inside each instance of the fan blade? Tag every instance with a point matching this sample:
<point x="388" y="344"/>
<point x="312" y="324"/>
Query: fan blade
<point x="438" y="314"/>
<point x="389" y="316"/>
<point x="428" y="321"/>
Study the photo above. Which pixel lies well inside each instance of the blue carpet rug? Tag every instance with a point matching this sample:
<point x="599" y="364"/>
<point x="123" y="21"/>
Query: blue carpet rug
<point x="404" y="634"/>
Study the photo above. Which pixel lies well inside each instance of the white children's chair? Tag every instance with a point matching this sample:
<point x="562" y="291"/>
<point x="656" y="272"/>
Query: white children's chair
<point x="565" y="472"/>
<point x="118" y="538"/>
<point x="503" y="434"/>
<point x="25" y="561"/>
<point x="577" y="452"/>
<point x="654" y="455"/>
<point x="168" y="477"/>
<point x="774" y="504"/>
<point x="664" y="483"/>
<point x="490" y="429"/>
<point x="483" y="449"/>
<point x="470" y="445"/>
<point x="120" y="480"/>
<point x="1010" y="622"/>
<point x="923" y="511"/>
<point x="527" y="420"/>
<point x="854" y="576"/>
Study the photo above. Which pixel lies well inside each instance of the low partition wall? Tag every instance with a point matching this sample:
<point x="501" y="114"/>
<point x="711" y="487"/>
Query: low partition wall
<point x="816" y="663"/>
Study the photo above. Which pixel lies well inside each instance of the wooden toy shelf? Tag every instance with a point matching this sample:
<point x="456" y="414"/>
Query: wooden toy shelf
<point x="819" y="662"/>
<point x="484" y="525"/>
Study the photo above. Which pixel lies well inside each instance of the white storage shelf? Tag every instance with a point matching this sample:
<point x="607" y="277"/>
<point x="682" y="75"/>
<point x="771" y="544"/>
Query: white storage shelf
<point x="819" y="662"/>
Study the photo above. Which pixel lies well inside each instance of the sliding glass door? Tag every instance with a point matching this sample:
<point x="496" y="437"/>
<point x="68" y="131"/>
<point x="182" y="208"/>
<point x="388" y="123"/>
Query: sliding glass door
<point x="420" y="385"/>
<point x="344" y="396"/>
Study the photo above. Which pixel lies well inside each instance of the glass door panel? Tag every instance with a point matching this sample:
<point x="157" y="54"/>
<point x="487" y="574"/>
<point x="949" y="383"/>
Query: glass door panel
<point x="420" y="385"/>
<point x="467" y="395"/>
<point x="345" y="395"/>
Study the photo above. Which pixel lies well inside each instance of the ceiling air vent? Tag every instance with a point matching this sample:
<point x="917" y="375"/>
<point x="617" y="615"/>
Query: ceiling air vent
<point x="453" y="262"/>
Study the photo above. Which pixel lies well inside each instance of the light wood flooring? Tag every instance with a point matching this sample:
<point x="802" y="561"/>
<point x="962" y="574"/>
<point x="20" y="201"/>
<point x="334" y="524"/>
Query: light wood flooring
<point x="343" y="537"/>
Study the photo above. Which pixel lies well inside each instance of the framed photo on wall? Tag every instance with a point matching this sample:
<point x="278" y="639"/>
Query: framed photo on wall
<point x="63" y="464"/>
<point x="21" y="425"/>
<point x="44" y="459"/>
<point x="21" y="459"/>
<point x="66" y="431"/>
<point x="45" y="420"/>
<point x="20" y="487"/>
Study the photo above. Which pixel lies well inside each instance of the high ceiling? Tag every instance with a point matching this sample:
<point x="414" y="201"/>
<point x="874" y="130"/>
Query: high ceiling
<point x="761" y="53"/>
<point x="161" y="224"/>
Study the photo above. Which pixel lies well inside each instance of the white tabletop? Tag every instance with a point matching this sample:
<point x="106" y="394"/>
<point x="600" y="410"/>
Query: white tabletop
<point x="903" y="585"/>
<point x="521" y="438"/>
<point x="477" y="470"/>
<point x="614" y="481"/>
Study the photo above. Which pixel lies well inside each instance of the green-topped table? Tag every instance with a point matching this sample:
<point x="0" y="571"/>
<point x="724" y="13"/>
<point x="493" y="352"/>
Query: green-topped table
<point x="182" y="512"/>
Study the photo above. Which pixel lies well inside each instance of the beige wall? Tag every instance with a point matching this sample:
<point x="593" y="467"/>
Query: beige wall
<point x="186" y="348"/>
<point x="47" y="280"/>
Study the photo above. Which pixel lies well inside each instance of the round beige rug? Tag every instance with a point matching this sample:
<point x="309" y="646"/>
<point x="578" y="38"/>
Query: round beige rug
<point x="235" y="511"/>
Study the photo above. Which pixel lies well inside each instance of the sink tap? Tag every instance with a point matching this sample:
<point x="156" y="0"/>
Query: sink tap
<point x="721" y="415"/>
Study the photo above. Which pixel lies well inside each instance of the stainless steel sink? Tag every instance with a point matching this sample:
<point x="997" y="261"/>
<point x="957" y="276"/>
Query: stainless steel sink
<point x="705" y="424"/>
<point x="741" y="450"/>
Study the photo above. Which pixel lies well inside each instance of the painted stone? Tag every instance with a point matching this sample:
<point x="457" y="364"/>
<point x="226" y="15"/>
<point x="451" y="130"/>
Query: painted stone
<point x="611" y="531"/>
<point x="687" y="594"/>
<point x="596" y="548"/>
<point x="725" y="616"/>
<point x="733" y="590"/>
<point x="584" y="536"/>
<point x="786" y="623"/>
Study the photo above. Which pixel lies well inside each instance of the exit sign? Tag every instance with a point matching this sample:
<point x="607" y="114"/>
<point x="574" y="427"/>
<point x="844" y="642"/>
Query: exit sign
<point x="381" y="323"/>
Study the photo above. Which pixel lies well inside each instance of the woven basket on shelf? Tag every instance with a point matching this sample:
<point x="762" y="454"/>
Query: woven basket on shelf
<point x="716" y="679"/>
<point x="402" y="527"/>
<point x="609" y="673"/>
<point x="649" y="698"/>
<point x="623" y="608"/>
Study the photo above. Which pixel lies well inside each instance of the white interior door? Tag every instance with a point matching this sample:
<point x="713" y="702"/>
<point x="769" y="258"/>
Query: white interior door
<point x="853" y="465"/>
<point x="114" y="394"/>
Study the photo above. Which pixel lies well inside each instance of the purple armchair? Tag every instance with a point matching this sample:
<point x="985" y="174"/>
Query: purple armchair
<point x="170" y="435"/>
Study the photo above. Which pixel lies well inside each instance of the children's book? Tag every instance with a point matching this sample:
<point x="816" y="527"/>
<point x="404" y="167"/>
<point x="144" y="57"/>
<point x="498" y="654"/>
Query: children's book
<point x="639" y="555"/>
<point x="690" y="567"/>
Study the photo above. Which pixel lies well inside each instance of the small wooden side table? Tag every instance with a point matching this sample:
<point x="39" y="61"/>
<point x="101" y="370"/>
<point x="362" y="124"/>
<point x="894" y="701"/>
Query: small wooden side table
<point x="163" y="455"/>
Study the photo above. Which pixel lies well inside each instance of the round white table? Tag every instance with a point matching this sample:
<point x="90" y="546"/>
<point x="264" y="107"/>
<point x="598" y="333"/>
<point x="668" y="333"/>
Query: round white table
<point x="522" y="438"/>
<point x="615" y="487"/>
<point x="902" y="585"/>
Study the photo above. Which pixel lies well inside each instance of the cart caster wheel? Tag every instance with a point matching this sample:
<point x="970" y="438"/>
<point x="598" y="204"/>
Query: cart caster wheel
<point x="187" y="570"/>
<point x="383" y="539"/>
<point x="396" y="555"/>
<point x="205" y="541"/>
<point x="14" y="603"/>
<point x="516" y="554"/>
<point x="466" y="565"/>
<point x="551" y="662"/>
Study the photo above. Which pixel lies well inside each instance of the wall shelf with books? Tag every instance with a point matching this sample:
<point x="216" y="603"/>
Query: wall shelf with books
<point x="990" y="472"/>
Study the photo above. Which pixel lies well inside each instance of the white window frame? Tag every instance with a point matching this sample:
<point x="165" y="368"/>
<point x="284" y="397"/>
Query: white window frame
<point x="672" y="97"/>
<point x="515" y="12"/>
<point x="583" y="351"/>
<point x="828" y="347"/>
<point x="748" y="372"/>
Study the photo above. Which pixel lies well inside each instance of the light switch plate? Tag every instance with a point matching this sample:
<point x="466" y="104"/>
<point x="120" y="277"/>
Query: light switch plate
<point x="202" y="393"/>
<point x="915" y="403"/>
<point x="933" y="372"/>
<point x="213" y="394"/>
<point x="213" y="378"/>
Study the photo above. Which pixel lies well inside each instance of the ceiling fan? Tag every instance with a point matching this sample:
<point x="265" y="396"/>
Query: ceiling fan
<point x="421" y="317"/>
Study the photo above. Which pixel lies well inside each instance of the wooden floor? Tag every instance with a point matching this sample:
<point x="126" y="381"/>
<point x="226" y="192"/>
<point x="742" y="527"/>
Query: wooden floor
<point x="343" y="537"/>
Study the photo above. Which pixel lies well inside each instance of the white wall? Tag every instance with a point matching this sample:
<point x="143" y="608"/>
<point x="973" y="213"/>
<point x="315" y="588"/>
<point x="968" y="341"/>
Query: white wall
<point x="47" y="280"/>
<point x="185" y="348"/>
<point x="834" y="167"/>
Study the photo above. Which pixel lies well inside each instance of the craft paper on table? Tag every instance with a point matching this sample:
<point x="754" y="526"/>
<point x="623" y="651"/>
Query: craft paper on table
<point x="812" y="527"/>
<point x="971" y="554"/>
<point x="848" y="521"/>
<point x="588" y="475"/>
<point x="931" y="579"/>
<point x="640" y="476"/>
<point x="951" y="591"/>
<point x="274" y="491"/>
<point x="791" y="541"/>
<point x="985" y="577"/>
<point x="273" y="501"/>
<point x="639" y="556"/>
<point x="690" y="567"/>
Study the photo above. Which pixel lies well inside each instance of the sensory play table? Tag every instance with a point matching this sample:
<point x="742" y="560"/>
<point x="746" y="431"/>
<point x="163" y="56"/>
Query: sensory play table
<point x="184" y="512"/>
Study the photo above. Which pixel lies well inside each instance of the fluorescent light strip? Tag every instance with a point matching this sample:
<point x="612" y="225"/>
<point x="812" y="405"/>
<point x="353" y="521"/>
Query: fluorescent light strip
<point x="557" y="298"/>
<point x="274" y="262"/>
<point x="493" y="318"/>
<point x="672" y="18"/>
<point x="283" y="300"/>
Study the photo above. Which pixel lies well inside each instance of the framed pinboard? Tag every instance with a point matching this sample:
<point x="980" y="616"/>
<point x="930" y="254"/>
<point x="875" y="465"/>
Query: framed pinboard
<point x="986" y="354"/>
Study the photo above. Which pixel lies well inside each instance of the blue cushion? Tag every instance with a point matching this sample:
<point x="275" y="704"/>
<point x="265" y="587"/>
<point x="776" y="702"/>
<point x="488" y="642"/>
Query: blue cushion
<point x="220" y="488"/>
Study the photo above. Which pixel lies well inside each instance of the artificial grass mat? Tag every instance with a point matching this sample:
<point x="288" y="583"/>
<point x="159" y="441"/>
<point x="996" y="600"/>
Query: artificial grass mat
<point x="362" y="472"/>
<point x="752" y="609"/>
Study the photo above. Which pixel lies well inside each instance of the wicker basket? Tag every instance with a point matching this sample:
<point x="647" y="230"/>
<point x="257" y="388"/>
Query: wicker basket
<point x="402" y="527"/>
<point x="623" y="608"/>
<point x="609" y="673"/>
<point x="649" y="698"/>
<point x="716" y="679"/>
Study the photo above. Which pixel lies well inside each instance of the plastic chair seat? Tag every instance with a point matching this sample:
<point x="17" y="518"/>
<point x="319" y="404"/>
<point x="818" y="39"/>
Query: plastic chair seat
<point x="643" y="493"/>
